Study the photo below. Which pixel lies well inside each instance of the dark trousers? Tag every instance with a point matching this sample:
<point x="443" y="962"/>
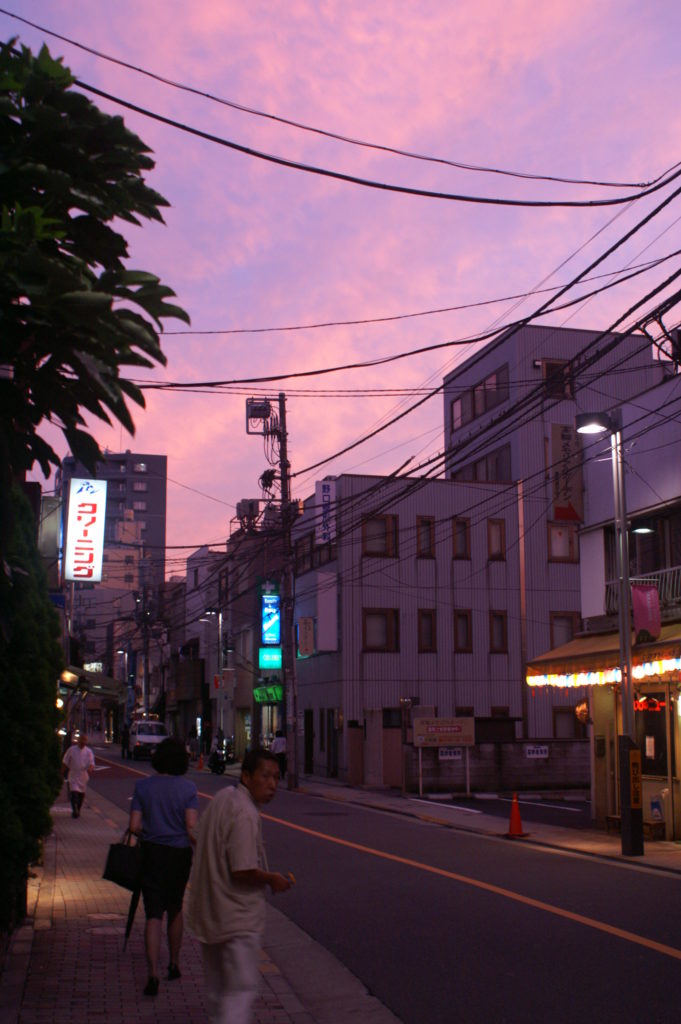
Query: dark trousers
<point x="76" y="801"/>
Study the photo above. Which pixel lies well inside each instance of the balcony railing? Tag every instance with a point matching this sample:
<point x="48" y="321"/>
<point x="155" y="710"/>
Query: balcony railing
<point x="668" y="587"/>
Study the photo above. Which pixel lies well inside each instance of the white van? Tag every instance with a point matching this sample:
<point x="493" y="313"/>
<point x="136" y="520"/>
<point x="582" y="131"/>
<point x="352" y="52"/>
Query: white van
<point x="145" y="736"/>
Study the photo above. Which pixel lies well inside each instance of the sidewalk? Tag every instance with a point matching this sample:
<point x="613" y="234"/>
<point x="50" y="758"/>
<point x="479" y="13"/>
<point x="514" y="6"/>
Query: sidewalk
<point x="66" y="963"/>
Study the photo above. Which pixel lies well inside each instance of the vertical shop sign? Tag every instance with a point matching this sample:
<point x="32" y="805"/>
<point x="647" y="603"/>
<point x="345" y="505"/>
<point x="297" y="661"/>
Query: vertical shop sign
<point x="85" y="530"/>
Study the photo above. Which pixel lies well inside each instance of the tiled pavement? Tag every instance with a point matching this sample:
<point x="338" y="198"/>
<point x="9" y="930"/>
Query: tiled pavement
<point x="66" y="964"/>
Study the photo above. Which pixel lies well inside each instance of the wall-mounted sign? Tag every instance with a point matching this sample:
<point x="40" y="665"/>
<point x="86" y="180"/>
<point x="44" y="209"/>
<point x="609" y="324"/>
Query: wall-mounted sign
<point x="566" y="470"/>
<point x="537" y="752"/>
<point x="270" y="618"/>
<point x="325" y="501"/>
<point x="306" y="636"/>
<point x="450" y="753"/>
<point x="85" y="530"/>
<point x="269" y="657"/>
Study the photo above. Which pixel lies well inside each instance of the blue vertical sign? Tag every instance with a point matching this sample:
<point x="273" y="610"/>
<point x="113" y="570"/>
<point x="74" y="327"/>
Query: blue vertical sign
<point x="270" y="620"/>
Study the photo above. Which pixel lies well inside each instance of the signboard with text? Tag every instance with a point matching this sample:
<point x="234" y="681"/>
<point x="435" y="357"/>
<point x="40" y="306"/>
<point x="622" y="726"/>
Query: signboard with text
<point x="444" y="732"/>
<point x="85" y="530"/>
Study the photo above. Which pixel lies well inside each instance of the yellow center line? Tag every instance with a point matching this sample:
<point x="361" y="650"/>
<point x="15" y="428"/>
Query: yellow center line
<point x="528" y="901"/>
<point x="497" y="890"/>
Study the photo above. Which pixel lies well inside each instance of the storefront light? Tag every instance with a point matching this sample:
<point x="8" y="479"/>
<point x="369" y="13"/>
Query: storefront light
<point x="647" y="670"/>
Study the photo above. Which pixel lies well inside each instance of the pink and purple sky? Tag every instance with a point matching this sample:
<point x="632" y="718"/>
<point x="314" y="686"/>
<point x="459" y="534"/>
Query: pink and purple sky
<point x="568" y="88"/>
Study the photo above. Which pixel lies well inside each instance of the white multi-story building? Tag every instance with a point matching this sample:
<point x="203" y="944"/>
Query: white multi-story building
<point x="405" y="599"/>
<point x="510" y="416"/>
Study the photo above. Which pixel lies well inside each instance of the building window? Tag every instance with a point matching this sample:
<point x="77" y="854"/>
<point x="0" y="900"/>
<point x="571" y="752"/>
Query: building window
<point x="557" y="379"/>
<point x="496" y="539"/>
<point x="463" y="631"/>
<point x="494" y="466"/>
<point x="139" y="506"/>
<point x="425" y="537"/>
<point x="566" y="725"/>
<point x="122" y="468"/>
<point x="498" y="634"/>
<point x="380" y="629"/>
<point x="462" y="410"/>
<point x="563" y="542"/>
<point x="303" y="553"/>
<point x="484" y="396"/>
<point x="564" y="625"/>
<point x="461" y="532"/>
<point x="129" y="578"/>
<point x="139" y="485"/>
<point x="427" y="630"/>
<point x="140" y="467"/>
<point x="379" y="536"/>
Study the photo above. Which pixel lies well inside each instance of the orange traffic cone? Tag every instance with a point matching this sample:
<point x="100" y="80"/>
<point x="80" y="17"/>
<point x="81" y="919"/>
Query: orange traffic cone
<point x="515" y="828"/>
<point x="200" y="763"/>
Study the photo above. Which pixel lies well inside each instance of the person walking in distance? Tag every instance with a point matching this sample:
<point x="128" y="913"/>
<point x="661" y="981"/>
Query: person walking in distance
<point x="278" y="748"/>
<point x="226" y="907"/>
<point x="79" y="764"/>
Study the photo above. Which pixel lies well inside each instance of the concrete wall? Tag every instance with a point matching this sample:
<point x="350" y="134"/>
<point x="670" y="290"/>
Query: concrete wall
<point x="496" y="767"/>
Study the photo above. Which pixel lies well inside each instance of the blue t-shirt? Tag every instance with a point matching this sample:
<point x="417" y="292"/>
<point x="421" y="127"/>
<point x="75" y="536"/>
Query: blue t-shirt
<point x="163" y="799"/>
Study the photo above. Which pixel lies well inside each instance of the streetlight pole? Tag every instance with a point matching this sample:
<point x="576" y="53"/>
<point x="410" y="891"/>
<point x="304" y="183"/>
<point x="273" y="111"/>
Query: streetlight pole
<point x="629" y="755"/>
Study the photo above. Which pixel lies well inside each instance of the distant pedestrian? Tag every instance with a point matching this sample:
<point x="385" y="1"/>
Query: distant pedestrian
<point x="125" y="741"/>
<point x="226" y="908"/>
<point x="164" y="812"/>
<point x="278" y="748"/>
<point x="79" y="764"/>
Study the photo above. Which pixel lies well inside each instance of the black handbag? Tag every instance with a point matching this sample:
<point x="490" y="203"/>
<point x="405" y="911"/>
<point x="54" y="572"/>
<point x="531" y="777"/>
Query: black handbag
<point x="124" y="863"/>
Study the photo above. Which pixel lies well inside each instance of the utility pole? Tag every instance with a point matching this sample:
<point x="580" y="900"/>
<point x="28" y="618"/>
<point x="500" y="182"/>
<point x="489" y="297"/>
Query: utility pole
<point x="288" y="642"/>
<point x="261" y="410"/>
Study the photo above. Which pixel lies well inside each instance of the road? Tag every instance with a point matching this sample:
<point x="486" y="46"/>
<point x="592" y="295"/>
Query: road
<point x="448" y="926"/>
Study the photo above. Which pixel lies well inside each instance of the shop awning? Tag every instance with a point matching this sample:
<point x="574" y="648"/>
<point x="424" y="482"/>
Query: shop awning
<point x="594" y="660"/>
<point x="96" y="683"/>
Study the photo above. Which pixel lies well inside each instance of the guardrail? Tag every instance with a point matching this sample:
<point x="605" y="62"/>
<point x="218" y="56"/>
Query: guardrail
<point x="668" y="587"/>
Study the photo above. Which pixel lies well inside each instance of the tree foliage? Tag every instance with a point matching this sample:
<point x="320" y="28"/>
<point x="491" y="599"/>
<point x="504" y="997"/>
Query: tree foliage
<point x="30" y="663"/>
<point x="71" y="312"/>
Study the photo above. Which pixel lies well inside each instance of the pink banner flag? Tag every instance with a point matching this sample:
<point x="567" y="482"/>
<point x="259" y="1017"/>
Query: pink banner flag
<point x="645" y="603"/>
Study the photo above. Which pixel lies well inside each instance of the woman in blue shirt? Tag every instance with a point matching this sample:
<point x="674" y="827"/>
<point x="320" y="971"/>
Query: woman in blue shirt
<point x="164" y="812"/>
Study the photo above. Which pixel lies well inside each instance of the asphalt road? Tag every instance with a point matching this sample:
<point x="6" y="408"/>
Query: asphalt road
<point x="446" y="926"/>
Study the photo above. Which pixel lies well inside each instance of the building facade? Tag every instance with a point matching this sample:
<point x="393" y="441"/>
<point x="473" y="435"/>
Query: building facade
<point x="406" y="605"/>
<point x="509" y="415"/>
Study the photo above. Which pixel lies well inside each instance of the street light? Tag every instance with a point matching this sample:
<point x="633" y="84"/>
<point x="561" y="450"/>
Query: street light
<point x="207" y="617"/>
<point x="631" y="810"/>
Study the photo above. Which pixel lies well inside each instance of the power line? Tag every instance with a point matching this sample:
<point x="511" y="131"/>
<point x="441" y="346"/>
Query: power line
<point x="353" y="179"/>
<point x="459" y="165"/>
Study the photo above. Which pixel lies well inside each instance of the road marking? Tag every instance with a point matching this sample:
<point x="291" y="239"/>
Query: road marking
<point x="528" y="901"/>
<point x="446" y="807"/>
<point x="120" y="764"/>
<point x="540" y="803"/>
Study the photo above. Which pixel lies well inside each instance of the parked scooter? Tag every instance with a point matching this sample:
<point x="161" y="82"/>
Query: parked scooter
<point x="221" y="756"/>
<point x="217" y="762"/>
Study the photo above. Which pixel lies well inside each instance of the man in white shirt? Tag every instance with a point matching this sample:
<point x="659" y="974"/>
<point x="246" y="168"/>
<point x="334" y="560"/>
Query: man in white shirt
<point x="79" y="762"/>
<point x="227" y="890"/>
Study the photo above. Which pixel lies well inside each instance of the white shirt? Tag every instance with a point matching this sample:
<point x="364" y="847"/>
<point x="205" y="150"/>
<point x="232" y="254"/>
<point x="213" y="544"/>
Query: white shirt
<point x="230" y="839"/>
<point x="78" y="761"/>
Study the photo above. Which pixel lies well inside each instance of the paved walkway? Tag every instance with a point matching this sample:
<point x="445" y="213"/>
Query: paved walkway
<point x="66" y="963"/>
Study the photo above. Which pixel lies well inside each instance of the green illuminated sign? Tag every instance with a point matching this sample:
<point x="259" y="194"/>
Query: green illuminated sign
<point x="268" y="694"/>
<point x="269" y="657"/>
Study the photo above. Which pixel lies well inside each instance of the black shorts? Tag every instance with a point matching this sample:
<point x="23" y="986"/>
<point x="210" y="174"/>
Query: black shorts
<point x="164" y="878"/>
